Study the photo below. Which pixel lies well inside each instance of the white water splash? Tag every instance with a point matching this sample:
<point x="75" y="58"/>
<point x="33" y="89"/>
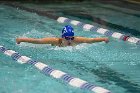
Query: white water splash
<point x="37" y="34"/>
<point x="72" y="48"/>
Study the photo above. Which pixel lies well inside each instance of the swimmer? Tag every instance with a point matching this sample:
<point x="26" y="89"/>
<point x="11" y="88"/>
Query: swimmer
<point x="67" y="39"/>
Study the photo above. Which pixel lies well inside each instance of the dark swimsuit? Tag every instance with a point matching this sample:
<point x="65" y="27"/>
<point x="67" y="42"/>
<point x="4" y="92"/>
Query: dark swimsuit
<point x="60" y="44"/>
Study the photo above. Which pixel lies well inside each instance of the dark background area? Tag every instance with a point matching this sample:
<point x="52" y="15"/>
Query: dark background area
<point x="132" y="4"/>
<point x="72" y="0"/>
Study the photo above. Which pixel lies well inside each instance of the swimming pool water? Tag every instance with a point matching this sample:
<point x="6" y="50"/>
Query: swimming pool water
<point x="127" y="18"/>
<point x="114" y="66"/>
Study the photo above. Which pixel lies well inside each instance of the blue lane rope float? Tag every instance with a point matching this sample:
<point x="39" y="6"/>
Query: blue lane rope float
<point x="47" y="70"/>
<point x="88" y="27"/>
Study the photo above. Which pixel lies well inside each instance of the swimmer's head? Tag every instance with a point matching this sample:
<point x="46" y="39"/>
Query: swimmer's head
<point x="67" y="31"/>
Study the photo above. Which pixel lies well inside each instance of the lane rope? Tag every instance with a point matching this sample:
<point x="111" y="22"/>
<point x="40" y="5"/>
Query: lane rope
<point x="88" y="27"/>
<point x="47" y="70"/>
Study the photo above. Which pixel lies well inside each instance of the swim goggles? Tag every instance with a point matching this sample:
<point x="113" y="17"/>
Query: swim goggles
<point x="69" y="38"/>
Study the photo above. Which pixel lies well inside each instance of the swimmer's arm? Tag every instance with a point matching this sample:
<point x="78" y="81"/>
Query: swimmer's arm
<point x="50" y="40"/>
<point x="89" y="40"/>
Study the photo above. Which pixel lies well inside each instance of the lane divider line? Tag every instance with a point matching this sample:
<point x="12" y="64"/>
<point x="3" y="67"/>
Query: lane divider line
<point x="88" y="27"/>
<point x="47" y="70"/>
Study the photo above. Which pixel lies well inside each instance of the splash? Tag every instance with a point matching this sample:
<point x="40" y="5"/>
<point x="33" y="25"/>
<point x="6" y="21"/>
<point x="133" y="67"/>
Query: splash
<point x="72" y="48"/>
<point x="35" y="34"/>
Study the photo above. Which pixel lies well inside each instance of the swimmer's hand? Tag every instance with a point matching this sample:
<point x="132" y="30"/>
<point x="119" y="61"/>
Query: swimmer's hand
<point x="18" y="41"/>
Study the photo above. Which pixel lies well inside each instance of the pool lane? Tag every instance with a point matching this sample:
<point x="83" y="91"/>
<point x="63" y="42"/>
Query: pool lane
<point x="80" y="24"/>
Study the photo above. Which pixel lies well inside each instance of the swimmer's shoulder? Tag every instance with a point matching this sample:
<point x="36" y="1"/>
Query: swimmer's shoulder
<point x="58" y="43"/>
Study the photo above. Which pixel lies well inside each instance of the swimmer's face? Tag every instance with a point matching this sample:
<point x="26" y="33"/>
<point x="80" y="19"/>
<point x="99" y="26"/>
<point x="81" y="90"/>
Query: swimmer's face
<point x="69" y="38"/>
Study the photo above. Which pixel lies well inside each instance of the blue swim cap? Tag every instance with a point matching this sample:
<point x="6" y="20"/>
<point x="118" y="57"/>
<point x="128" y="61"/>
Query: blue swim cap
<point x="67" y="31"/>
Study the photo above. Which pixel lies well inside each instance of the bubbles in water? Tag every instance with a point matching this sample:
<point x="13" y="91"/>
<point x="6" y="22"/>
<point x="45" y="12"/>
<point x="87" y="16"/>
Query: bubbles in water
<point x="36" y="34"/>
<point x="35" y="45"/>
<point x="72" y="48"/>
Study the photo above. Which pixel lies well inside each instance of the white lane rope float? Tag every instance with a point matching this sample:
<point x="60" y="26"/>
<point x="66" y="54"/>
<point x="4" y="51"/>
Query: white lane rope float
<point x="47" y="70"/>
<point x="103" y="31"/>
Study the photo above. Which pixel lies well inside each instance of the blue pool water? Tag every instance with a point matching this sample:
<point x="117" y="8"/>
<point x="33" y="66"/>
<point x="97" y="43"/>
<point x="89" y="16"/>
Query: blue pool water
<point x="114" y="66"/>
<point x="128" y="18"/>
